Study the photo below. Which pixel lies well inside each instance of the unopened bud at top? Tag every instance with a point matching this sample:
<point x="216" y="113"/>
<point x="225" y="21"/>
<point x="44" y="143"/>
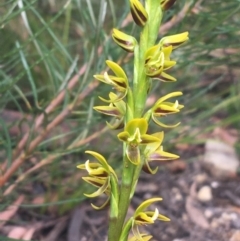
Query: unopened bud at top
<point x="139" y="13"/>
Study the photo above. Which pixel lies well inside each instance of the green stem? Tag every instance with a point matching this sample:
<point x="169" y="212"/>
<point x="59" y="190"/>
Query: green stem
<point x="136" y="175"/>
<point x="113" y="208"/>
<point x="126" y="229"/>
<point x="115" y="228"/>
<point x="112" y="234"/>
<point x="147" y="39"/>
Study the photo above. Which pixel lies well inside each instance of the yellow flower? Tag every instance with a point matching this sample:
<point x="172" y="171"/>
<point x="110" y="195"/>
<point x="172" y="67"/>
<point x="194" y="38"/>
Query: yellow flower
<point x="119" y="81"/>
<point x="163" y="108"/>
<point x="157" y="61"/>
<point x="142" y="217"/>
<point x="101" y="175"/>
<point x="154" y="152"/>
<point x="115" y="109"/>
<point x="134" y="135"/>
<point x="157" y="58"/>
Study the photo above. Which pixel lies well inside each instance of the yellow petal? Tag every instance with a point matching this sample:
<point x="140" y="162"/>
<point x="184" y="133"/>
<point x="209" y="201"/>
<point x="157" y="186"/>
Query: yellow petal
<point x="162" y="124"/>
<point x="102" y="206"/>
<point x="146" y="203"/>
<point x="174" y="40"/>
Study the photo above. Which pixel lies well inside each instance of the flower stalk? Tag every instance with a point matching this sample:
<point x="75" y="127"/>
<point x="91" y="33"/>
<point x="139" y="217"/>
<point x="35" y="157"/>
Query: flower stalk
<point x="152" y="62"/>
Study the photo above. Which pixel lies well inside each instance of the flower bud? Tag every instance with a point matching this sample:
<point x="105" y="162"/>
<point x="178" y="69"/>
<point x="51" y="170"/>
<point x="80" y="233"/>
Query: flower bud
<point x="139" y="13"/>
<point x="127" y="42"/>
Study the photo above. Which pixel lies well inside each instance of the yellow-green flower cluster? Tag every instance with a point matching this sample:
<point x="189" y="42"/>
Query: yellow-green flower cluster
<point x="140" y="148"/>
<point x="157" y="58"/>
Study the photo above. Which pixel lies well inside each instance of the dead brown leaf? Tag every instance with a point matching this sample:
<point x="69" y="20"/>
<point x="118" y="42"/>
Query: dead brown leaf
<point x="29" y="234"/>
<point x="24" y="233"/>
<point x="57" y="230"/>
<point x="236" y="236"/>
<point x="38" y="200"/>
<point x="176" y="166"/>
<point x="17" y="232"/>
<point x="229" y="136"/>
<point x="195" y="213"/>
<point x="194" y="210"/>
<point x="75" y="224"/>
<point x="10" y="211"/>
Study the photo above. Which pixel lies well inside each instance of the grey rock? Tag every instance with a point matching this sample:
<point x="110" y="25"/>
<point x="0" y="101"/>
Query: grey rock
<point x="220" y="159"/>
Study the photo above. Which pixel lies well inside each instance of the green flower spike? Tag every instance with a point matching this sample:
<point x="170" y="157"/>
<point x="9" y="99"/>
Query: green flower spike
<point x="119" y="82"/>
<point x="138" y="12"/>
<point x="166" y="4"/>
<point x="101" y="175"/>
<point x="134" y="135"/>
<point x="162" y="108"/>
<point x="142" y="217"/>
<point x="157" y="60"/>
<point x="127" y="42"/>
<point x="154" y="152"/>
<point x="174" y="40"/>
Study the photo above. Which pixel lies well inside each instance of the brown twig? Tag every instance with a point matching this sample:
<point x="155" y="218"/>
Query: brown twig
<point x="39" y="120"/>
<point x="22" y="156"/>
<point x="175" y="19"/>
<point x="20" y="159"/>
<point x="19" y="125"/>
<point x="50" y="158"/>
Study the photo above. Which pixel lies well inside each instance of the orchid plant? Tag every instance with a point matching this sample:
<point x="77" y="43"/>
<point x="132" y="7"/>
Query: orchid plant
<point x="152" y="61"/>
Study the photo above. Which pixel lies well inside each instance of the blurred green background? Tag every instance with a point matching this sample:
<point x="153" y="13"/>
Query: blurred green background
<point x="43" y="44"/>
